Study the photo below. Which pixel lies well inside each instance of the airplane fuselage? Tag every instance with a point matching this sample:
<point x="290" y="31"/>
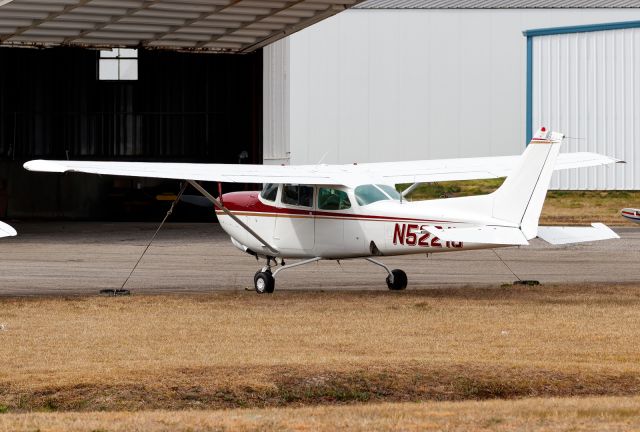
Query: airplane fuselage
<point x="631" y="214"/>
<point x="386" y="227"/>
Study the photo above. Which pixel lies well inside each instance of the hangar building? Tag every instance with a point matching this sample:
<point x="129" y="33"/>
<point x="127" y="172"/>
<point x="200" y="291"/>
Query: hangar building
<point x="426" y="79"/>
<point x="156" y="80"/>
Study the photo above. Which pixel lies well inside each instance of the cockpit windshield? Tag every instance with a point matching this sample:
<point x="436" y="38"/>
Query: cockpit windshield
<point x="269" y="191"/>
<point x="367" y="194"/>
<point x="391" y="191"/>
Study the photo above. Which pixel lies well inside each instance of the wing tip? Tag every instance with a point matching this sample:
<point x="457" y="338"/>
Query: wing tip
<point x="605" y="229"/>
<point x="7" y="230"/>
<point x="42" y="165"/>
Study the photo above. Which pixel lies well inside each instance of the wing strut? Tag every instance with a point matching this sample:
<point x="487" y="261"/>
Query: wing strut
<point x="226" y="211"/>
<point x="410" y="189"/>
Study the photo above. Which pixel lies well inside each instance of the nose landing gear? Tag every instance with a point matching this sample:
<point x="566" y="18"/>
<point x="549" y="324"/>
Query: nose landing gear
<point x="264" y="282"/>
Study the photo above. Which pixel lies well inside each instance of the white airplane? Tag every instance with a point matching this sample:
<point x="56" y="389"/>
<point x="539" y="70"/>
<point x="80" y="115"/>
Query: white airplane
<point x="631" y="214"/>
<point x="333" y="212"/>
<point x="6" y="230"/>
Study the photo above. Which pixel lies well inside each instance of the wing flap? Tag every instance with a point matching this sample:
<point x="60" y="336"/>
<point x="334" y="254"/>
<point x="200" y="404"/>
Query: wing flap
<point x="566" y="235"/>
<point x="498" y="235"/>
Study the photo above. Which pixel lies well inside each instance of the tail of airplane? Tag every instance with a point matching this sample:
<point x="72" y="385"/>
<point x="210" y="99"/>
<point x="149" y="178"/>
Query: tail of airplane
<point x="515" y="207"/>
<point x="520" y="198"/>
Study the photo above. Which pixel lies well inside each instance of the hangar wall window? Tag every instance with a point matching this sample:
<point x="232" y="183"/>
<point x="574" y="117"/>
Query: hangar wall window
<point x="118" y="64"/>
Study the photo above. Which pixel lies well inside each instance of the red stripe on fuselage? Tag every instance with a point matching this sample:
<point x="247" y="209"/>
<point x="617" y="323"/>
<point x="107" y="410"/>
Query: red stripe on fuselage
<point x="249" y="202"/>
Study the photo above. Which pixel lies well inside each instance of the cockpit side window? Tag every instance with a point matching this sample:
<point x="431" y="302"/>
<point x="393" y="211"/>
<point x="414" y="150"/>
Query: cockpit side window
<point x="269" y="191"/>
<point x="297" y="195"/>
<point x="367" y="194"/>
<point x="333" y="199"/>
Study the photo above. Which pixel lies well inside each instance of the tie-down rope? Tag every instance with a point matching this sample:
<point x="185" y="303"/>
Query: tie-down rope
<point x="173" y="204"/>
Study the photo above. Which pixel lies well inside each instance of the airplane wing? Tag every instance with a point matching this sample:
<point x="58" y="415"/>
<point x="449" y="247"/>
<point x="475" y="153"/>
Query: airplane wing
<point x="227" y="173"/>
<point x="6" y="230"/>
<point x="424" y="171"/>
<point x="428" y="171"/>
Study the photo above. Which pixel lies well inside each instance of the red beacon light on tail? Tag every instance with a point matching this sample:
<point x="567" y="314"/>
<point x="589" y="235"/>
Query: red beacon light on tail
<point x="541" y="134"/>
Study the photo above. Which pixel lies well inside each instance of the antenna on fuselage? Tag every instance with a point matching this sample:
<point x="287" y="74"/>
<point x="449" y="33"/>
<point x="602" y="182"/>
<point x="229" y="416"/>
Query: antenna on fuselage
<point x="322" y="158"/>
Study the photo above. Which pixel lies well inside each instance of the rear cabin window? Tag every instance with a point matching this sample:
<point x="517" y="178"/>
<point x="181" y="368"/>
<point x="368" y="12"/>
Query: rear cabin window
<point x="269" y="191"/>
<point x="297" y="195"/>
<point x="333" y="199"/>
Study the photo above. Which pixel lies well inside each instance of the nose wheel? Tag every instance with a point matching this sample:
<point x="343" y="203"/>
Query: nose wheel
<point x="264" y="282"/>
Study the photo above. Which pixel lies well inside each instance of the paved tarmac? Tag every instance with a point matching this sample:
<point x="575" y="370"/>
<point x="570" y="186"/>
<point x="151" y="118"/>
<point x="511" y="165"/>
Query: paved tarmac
<point x="56" y="258"/>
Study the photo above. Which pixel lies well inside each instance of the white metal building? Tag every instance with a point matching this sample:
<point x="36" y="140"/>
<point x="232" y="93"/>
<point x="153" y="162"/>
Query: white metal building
<point x="585" y="80"/>
<point x="400" y="80"/>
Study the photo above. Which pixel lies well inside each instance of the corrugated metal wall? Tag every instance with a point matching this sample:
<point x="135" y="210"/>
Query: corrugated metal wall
<point x="276" y="103"/>
<point x="588" y="86"/>
<point x="374" y="85"/>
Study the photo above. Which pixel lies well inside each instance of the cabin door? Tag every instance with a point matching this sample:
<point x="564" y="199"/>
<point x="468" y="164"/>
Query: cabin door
<point x="294" y="227"/>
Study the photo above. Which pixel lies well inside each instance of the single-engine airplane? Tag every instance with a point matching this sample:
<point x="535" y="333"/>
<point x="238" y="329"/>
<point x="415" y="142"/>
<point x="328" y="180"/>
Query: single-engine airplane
<point x="334" y="212"/>
<point x="6" y="230"/>
<point x="631" y="214"/>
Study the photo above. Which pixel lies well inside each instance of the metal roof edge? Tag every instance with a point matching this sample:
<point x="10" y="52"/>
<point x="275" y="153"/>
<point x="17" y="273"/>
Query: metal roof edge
<point x="414" y="8"/>
<point x="581" y="28"/>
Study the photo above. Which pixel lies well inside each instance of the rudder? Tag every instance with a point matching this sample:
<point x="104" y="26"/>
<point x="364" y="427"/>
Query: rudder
<point x="521" y="197"/>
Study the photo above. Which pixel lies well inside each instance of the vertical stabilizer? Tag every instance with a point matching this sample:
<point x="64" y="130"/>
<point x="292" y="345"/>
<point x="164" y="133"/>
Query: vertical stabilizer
<point x="521" y="196"/>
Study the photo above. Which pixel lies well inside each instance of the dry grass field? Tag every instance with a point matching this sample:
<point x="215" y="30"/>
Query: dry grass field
<point x="294" y="349"/>
<point x="604" y="414"/>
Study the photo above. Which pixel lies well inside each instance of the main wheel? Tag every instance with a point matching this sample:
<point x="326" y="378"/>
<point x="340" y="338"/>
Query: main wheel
<point x="399" y="280"/>
<point x="264" y="282"/>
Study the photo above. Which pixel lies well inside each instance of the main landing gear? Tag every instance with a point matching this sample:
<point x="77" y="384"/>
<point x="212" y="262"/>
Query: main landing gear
<point x="397" y="279"/>
<point x="264" y="280"/>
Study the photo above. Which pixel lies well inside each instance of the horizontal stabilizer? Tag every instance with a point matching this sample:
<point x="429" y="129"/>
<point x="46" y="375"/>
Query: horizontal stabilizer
<point x="498" y="235"/>
<point x="6" y="230"/>
<point x="566" y="235"/>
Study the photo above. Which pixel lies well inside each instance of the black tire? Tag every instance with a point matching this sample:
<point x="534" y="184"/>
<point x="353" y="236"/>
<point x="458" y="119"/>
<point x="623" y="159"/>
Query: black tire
<point x="399" y="280"/>
<point x="264" y="283"/>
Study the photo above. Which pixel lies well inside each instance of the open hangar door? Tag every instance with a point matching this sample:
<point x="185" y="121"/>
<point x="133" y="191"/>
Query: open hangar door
<point x="182" y="107"/>
<point x="585" y="82"/>
<point x="161" y="95"/>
